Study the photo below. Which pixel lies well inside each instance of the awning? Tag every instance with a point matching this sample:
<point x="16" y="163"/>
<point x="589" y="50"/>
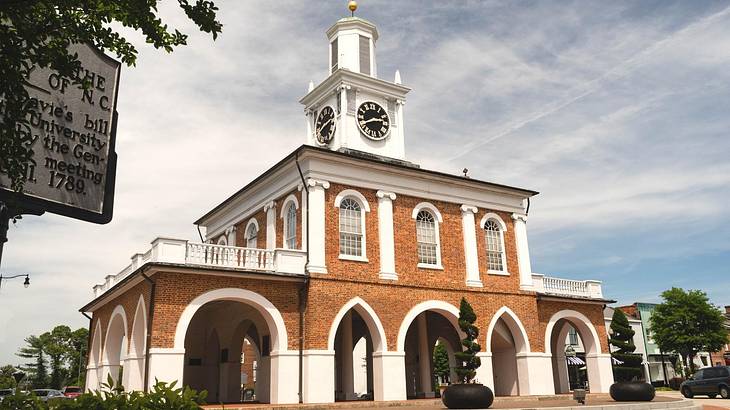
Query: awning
<point x="616" y="361"/>
<point x="575" y="361"/>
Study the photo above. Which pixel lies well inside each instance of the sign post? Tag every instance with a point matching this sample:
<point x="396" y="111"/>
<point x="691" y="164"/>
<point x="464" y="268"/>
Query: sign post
<point x="72" y="133"/>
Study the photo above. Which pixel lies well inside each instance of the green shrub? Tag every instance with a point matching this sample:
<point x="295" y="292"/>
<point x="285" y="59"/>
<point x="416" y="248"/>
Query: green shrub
<point x="467" y="359"/>
<point x="163" y="396"/>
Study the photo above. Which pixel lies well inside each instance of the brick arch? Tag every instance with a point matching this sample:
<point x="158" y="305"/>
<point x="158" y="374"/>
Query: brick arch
<point x="272" y="316"/>
<point x="583" y="326"/>
<point x="449" y="311"/>
<point x="366" y="312"/>
<point x="519" y="333"/>
<point x="113" y="332"/>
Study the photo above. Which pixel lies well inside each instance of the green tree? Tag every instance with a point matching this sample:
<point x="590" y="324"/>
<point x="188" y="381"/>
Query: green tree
<point x="467" y="358"/>
<point x="687" y="323"/>
<point x="38" y="33"/>
<point x="55" y="344"/>
<point x="441" y="362"/>
<point x="75" y="355"/>
<point x="622" y="337"/>
<point x="36" y="370"/>
<point x="6" y="377"/>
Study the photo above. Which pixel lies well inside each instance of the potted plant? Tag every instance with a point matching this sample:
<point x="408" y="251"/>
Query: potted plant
<point x="466" y="394"/>
<point x="627" y="367"/>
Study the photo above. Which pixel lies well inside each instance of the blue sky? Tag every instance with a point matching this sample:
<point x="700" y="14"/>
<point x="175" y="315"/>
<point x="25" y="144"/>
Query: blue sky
<point x="615" y="111"/>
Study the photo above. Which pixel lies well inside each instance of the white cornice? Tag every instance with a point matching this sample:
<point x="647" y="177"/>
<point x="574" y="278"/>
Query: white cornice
<point x="360" y="81"/>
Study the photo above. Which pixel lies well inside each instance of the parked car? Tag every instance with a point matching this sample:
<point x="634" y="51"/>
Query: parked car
<point x="48" y="394"/>
<point x="709" y="381"/>
<point x="72" y="391"/>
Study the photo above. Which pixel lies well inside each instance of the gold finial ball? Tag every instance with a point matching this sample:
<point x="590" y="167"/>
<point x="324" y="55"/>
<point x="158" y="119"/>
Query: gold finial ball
<point x="352" y="5"/>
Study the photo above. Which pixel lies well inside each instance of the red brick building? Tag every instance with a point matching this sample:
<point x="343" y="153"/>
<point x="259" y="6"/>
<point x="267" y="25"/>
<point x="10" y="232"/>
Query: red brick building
<point x="345" y="240"/>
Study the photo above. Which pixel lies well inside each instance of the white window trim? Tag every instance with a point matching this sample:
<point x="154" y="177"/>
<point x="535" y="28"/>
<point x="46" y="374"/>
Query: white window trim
<point x="254" y="222"/>
<point x="222" y="241"/>
<point x="438" y="219"/>
<point x="364" y="207"/>
<point x="289" y="199"/>
<point x="503" y="226"/>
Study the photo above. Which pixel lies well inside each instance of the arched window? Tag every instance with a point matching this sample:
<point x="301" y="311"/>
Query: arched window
<point x="351" y="229"/>
<point x="251" y="235"/>
<point x="290" y="227"/>
<point x="495" y="246"/>
<point x="426" y="238"/>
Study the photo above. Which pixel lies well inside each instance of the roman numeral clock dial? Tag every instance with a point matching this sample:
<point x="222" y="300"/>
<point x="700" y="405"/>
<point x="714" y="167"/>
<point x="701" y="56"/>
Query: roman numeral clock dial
<point x="373" y="120"/>
<point x="325" y="125"/>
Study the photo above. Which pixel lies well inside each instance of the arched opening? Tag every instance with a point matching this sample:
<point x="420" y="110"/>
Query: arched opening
<point x="135" y="360"/>
<point x="93" y="371"/>
<point x="353" y="347"/>
<point x="115" y="346"/>
<point x="250" y="358"/>
<point x="424" y="325"/>
<point x="506" y="337"/>
<point x="215" y="346"/>
<point x="574" y="346"/>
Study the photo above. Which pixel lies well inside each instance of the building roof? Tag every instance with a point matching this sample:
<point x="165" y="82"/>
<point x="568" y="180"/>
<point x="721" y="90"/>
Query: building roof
<point x="366" y="157"/>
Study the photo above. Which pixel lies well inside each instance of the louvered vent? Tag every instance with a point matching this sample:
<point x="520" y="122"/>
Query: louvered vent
<point x="364" y="55"/>
<point x="334" y="56"/>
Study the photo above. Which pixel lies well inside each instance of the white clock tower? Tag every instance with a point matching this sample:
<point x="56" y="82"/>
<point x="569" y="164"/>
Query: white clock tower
<point x="353" y="109"/>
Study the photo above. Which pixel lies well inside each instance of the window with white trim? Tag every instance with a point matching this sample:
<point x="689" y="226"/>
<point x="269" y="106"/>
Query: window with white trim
<point x="351" y="229"/>
<point x="495" y="246"/>
<point x="426" y="238"/>
<point x="251" y="236"/>
<point x="291" y="227"/>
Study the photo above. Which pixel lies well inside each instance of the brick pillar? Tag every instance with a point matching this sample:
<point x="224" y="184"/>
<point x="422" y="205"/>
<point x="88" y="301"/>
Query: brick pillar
<point x="316" y="244"/>
<point x="424" y="359"/>
<point x="385" y="232"/>
<point x="470" y="246"/>
<point x="348" y="384"/>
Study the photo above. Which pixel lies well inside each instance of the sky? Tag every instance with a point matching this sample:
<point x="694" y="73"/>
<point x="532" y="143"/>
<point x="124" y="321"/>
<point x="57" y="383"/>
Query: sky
<point x="616" y="112"/>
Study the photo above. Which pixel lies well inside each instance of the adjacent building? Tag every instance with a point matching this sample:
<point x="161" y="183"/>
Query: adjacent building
<point x="346" y="243"/>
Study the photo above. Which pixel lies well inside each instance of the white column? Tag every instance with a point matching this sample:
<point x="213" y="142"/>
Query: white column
<point x="305" y="216"/>
<point x="106" y="370"/>
<point x="263" y="379"/>
<point x="523" y="251"/>
<point x="133" y="377"/>
<point x="316" y="205"/>
<point x="270" y="209"/>
<point x="600" y="372"/>
<point x="424" y="359"/>
<point x="485" y="373"/>
<point x="560" y="373"/>
<point x="348" y="382"/>
<point x="92" y="378"/>
<point x="310" y="133"/>
<point x="535" y="373"/>
<point x="470" y="245"/>
<point x="285" y="377"/>
<point x="385" y="233"/>
<point x="318" y="376"/>
<point x="166" y="365"/>
<point x="343" y="115"/>
<point x="389" y="376"/>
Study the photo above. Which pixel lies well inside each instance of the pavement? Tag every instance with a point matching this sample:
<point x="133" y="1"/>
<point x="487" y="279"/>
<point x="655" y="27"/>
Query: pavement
<point x="706" y="402"/>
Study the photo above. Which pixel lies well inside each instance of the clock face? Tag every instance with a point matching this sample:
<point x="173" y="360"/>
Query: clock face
<point x="373" y="120"/>
<point x="325" y="125"/>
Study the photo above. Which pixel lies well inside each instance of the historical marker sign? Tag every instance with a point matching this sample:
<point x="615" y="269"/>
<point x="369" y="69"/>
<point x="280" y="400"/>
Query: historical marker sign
<point x="73" y="135"/>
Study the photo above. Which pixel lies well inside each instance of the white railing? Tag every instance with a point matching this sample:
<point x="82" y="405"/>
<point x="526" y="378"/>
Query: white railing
<point x="230" y="256"/>
<point x="567" y="287"/>
<point x="178" y="251"/>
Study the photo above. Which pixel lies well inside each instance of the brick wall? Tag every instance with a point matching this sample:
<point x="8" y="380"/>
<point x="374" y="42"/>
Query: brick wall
<point x="175" y="291"/>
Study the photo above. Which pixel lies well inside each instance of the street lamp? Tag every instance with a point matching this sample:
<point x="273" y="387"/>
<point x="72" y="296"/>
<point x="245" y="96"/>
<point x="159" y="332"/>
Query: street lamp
<point x="26" y="282"/>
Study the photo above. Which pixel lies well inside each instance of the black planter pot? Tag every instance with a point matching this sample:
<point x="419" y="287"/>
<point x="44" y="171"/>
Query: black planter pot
<point x="467" y="396"/>
<point x="632" y="391"/>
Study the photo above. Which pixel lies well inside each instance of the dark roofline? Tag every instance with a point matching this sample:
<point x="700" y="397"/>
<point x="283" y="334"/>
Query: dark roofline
<point x="394" y="163"/>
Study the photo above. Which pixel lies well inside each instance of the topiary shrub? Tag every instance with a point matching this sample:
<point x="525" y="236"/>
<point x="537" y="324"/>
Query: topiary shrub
<point x="623" y="339"/>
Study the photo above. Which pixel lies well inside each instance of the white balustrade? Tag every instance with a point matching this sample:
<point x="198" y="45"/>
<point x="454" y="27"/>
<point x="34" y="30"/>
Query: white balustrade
<point x="566" y="287"/>
<point x="177" y="251"/>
